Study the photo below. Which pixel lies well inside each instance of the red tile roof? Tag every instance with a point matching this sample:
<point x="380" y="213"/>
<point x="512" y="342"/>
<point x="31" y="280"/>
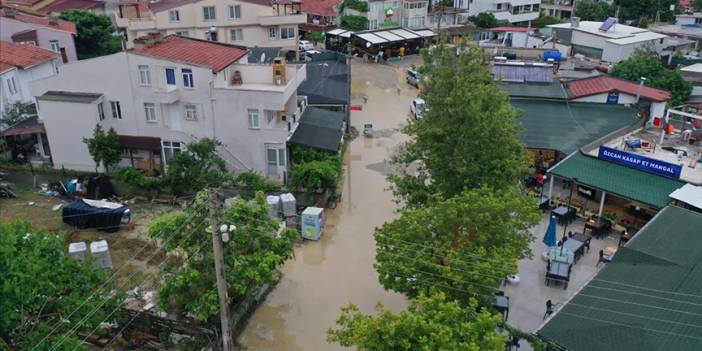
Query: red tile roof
<point x="4" y="67"/>
<point x="28" y="16"/>
<point x="24" y="55"/>
<point x="509" y="29"/>
<point x="63" y="5"/>
<point x="604" y="84"/>
<point x="216" y="56"/>
<point x="164" y="5"/>
<point x="320" y="7"/>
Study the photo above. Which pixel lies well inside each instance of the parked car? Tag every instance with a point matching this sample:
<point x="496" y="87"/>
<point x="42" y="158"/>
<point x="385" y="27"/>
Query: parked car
<point x="306" y="45"/>
<point x="417" y="108"/>
<point x="413" y="78"/>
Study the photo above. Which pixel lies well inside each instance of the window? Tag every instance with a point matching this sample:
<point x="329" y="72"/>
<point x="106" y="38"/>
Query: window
<point x="275" y="157"/>
<point x="124" y="152"/>
<point x="190" y="113"/>
<point x="271" y="117"/>
<point x="187" y="78"/>
<point x="184" y="33"/>
<point x="661" y="41"/>
<point x="12" y="86"/>
<point x="236" y="34"/>
<point x="170" y="76"/>
<point x="253" y="119"/>
<point x="144" y="75"/>
<point x="171" y="148"/>
<point x="234" y="11"/>
<point x="150" y="111"/>
<point x="101" y="111"/>
<point x="287" y="32"/>
<point x="116" y="109"/>
<point x="376" y="6"/>
<point x="272" y="33"/>
<point x="174" y="16"/>
<point x="373" y="24"/>
<point x="55" y="45"/>
<point x="208" y="13"/>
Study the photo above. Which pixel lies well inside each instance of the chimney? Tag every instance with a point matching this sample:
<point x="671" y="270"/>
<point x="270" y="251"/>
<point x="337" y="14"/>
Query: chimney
<point x="279" y="71"/>
<point x="9" y="11"/>
<point x="147" y="40"/>
<point x="574" y="22"/>
<point x="53" y="21"/>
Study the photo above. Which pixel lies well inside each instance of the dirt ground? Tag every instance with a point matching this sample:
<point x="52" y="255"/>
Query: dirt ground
<point x="134" y="255"/>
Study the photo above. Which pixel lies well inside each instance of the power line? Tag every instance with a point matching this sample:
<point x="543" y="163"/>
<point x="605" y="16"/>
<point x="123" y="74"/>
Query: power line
<point x="641" y="294"/>
<point x="640" y="304"/>
<point x="635" y="315"/>
<point x="105" y="284"/>
<point x="650" y="289"/>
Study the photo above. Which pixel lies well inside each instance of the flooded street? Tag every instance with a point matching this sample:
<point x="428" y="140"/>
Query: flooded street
<point x="338" y="269"/>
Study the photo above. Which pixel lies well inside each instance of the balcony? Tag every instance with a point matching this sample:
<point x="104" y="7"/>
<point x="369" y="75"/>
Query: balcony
<point x="167" y="95"/>
<point x="259" y="80"/>
<point x="516" y="17"/>
<point x="282" y="20"/>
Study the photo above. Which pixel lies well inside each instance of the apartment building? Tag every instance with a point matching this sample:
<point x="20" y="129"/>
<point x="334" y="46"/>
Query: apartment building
<point x="25" y="26"/>
<point x="512" y="11"/>
<point x="248" y="23"/>
<point x="164" y="94"/>
<point x="394" y="13"/>
<point x="562" y="9"/>
<point x="19" y="65"/>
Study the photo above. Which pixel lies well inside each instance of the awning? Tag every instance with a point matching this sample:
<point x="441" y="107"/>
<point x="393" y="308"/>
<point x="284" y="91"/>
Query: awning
<point x="689" y="194"/>
<point x="139" y="142"/>
<point x="404" y="33"/>
<point x="28" y="126"/>
<point x="425" y="33"/>
<point x="622" y="181"/>
<point x="372" y="38"/>
<point x="320" y="129"/>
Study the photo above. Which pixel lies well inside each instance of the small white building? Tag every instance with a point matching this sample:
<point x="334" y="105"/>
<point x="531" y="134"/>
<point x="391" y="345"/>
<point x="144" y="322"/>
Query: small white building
<point x="606" y="41"/>
<point x="171" y="91"/>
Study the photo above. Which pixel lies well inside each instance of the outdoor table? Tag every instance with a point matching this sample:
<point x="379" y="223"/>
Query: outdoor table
<point x="597" y="225"/>
<point x="556" y="254"/>
<point x="583" y="238"/>
<point x="543" y="202"/>
<point x="558" y="271"/>
<point x="575" y="246"/>
<point x="561" y="212"/>
<point x="502" y="305"/>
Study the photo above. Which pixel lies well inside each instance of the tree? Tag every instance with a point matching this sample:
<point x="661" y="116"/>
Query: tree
<point x="195" y="168"/>
<point x="636" y="9"/>
<point x="593" y="10"/>
<point x="42" y="288"/>
<point x="103" y="147"/>
<point x="17" y="112"/>
<point x="469" y="136"/>
<point x="543" y="21"/>
<point x="96" y="35"/>
<point x="462" y="246"/>
<point x="697" y="5"/>
<point x="642" y="64"/>
<point x="354" y="23"/>
<point x="315" y="37"/>
<point x="252" y="256"/>
<point x="430" y="323"/>
<point x="314" y="169"/>
<point x="484" y="20"/>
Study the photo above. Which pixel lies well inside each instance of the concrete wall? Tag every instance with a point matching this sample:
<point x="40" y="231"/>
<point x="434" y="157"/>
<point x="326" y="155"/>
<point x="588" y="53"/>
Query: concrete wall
<point x="9" y="27"/>
<point x="615" y="53"/>
<point x="22" y="80"/>
<point x="657" y="109"/>
<point x="587" y="39"/>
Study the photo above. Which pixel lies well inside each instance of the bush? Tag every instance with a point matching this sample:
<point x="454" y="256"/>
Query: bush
<point x="251" y="182"/>
<point x="354" y="23"/>
<point x="357" y="5"/>
<point x="314" y="169"/>
<point x="136" y="178"/>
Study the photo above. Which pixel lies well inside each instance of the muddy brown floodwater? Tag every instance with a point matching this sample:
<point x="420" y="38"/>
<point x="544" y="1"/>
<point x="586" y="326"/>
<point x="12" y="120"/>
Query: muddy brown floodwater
<point x="338" y="269"/>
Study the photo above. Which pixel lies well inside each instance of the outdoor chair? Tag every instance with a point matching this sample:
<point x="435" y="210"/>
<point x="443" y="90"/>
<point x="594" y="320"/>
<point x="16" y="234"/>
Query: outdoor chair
<point x="603" y="258"/>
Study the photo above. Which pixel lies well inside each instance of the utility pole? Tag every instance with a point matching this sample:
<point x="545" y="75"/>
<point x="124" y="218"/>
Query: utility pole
<point x="219" y="271"/>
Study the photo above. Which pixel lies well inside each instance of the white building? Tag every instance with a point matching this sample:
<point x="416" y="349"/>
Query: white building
<point x="607" y="43"/>
<point x="512" y="11"/>
<point x="562" y="9"/>
<point x="248" y="23"/>
<point x="19" y="65"/>
<point x="166" y="93"/>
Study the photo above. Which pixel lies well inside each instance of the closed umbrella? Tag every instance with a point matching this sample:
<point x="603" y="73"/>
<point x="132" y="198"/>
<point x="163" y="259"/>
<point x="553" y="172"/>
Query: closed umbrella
<point x="550" y="236"/>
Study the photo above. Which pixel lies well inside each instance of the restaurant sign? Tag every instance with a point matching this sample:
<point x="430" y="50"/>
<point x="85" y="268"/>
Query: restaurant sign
<point x="643" y="163"/>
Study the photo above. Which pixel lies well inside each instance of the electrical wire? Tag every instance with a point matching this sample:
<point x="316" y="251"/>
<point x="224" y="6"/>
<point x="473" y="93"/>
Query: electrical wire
<point x="599" y="320"/>
<point x="650" y="289"/>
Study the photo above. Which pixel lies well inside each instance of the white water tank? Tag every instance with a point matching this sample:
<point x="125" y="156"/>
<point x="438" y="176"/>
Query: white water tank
<point x="273" y="206"/>
<point x="288" y="204"/>
<point x="101" y="252"/>
<point x="77" y="250"/>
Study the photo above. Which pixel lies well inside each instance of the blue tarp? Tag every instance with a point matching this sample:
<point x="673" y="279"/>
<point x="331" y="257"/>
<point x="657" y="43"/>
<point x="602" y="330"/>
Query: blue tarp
<point x="83" y="216"/>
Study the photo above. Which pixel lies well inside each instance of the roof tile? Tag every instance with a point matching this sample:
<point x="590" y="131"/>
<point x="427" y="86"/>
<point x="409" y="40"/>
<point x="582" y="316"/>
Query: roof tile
<point x="216" y="56"/>
<point x="604" y="84"/>
<point x="24" y="55"/>
<point x="27" y="16"/>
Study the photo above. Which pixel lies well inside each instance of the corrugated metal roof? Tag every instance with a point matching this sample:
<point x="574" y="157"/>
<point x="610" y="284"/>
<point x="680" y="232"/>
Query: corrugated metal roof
<point x="622" y="181"/>
<point x="603" y="84"/>
<point x="689" y="194"/>
<point x="647" y="299"/>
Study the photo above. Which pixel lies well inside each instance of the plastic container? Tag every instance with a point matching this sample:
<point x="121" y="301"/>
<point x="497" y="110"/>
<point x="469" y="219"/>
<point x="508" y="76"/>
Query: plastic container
<point x="312" y="223"/>
<point x="77" y="250"/>
<point x="288" y="204"/>
<point x="273" y="206"/>
<point x="555" y="55"/>
<point x="101" y="252"/>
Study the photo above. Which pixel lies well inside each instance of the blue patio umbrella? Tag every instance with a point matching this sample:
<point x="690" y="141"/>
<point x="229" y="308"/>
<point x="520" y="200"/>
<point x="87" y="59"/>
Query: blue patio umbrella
<point x="550" y="236"/>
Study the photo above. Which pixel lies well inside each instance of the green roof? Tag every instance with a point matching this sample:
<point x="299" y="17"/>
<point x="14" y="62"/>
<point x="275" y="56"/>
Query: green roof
<point x="553" y="90"/>
<point x="629" y="183"/>
<point x="319" y="128"/>
<point x="566" y="126"/>
<point x="649" y="298"/>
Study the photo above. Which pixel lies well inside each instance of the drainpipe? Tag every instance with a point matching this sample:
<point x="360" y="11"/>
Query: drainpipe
<point x="638" y="90"/>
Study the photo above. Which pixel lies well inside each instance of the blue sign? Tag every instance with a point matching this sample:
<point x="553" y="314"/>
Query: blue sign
<point x="643" y="163"/>
<point x="613" y="97"/>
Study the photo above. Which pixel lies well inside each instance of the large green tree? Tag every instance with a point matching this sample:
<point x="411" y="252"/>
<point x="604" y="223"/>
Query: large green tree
<point x="103" y="147"/>
<point x="17" y="112"/>
<point x="469" y="137"/>
<point x="195" y="168"/>
<point x="252" y="255"/>
<point x="637" y="9"/>
<point x="461" y="246"/>
<point x="643" y="64"/>
<point x="593" y="10"/>
<point x="484" y="20"/>
<point x="96" y="35"/>
<point x="430" y="323"/>
<point x="44" y="293"/>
